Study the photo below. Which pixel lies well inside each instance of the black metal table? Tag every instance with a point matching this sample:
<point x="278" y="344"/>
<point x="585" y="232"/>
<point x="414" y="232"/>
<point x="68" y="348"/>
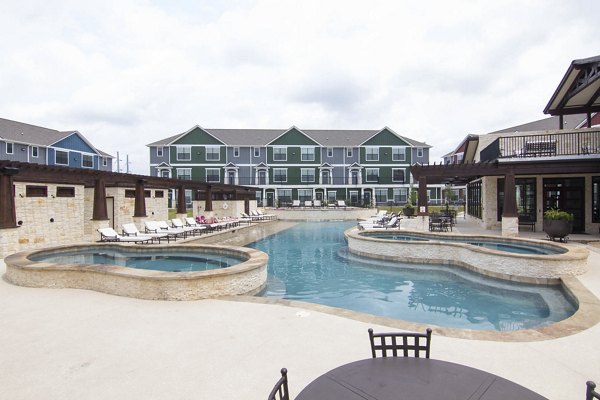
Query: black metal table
<point x="412" y="378"/>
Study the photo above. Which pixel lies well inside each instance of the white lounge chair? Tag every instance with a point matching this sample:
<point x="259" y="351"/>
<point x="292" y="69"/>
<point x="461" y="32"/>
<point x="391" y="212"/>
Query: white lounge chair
<point x="191" y="222"/>
<point x="390" y="224"/>
<point x="110" y="235"/>
<point x="131" y="230"/>
<point x="154" y="227"/>
<point x="308" y="203"/>
<point x="165" y="228"/>
<point x="341" y="203"/>
<point x="295" y="203"/>
<point x="317" y="203"/>
<point x="266" y="216"/>
<point x="177" y="224"/>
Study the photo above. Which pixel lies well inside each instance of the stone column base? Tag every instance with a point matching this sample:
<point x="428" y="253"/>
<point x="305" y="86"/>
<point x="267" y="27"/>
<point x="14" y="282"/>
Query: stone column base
<point x="182" y="217"/>
<point x="510" y="226"/>
<point x="94" y="236"/>
<point x="139" y="223"/>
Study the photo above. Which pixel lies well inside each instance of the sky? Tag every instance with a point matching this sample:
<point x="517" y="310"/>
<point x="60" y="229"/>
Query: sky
<point x="126" y="73"/>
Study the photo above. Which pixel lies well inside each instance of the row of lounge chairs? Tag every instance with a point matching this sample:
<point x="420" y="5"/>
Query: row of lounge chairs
<point x="317" y="204"/>
<point x="380" y="221"/>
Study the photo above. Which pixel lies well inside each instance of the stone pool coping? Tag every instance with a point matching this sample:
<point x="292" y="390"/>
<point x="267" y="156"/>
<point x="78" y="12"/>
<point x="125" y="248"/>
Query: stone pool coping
<point x="248" y="277"/>
<point x="586" y="316"/>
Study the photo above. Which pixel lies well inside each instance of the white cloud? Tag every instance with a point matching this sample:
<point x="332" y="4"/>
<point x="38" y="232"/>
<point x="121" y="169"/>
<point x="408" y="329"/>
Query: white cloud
<point x="127" y="73"/>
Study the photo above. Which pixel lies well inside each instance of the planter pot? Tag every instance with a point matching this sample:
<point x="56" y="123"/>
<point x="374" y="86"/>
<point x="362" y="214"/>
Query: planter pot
<point x="409" y="212"/>
<point x="557" y="228"/>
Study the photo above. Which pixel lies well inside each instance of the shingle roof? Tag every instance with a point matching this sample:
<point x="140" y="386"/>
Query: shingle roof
<point x="546" y="124"/>
<point x="261" y="137"/>
<point x="30" y="134"/>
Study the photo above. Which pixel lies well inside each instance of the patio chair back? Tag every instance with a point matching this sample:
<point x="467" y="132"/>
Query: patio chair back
<point x="130" y="229"/>
<point x="177" y="223"/>
<point x="341" y="203"/>
<point x="317" y="203"/>
<point x="280" y="391"/>
<point x="409" y="344"/>
<point x="591" y="393"/>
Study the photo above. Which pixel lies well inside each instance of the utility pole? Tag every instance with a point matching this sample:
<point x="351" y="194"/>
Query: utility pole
<point x="127" y="160"/>
<point x="118" y="163"/>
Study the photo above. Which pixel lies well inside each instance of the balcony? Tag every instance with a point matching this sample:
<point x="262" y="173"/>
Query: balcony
<point x="565" y="145"/>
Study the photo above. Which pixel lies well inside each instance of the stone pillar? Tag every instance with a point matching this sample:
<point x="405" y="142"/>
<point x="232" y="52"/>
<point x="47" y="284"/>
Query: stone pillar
<point x="8" y="216"/>
<point x="94" y="236"/>
<point x="140" y="199"/>
<point x="99" y="212"/>
<point x="510" y="218"/>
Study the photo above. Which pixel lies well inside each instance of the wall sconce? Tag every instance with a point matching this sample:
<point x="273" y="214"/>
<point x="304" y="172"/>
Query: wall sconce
<point x="20" y="194"/>
<point x="23" y="149"/>
<point x="20" y="223"/>
<point x="51" y="219"/>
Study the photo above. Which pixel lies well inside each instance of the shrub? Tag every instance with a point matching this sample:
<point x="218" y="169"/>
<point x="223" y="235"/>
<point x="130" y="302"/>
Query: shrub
<point x="555" y="214"/>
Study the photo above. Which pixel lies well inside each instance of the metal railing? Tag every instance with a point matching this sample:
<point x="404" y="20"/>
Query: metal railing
<point x="543" y="145"/>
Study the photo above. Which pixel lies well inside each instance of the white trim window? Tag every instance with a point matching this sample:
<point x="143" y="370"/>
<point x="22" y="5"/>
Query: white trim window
<point x="381" y="196"/>
<point x="160" y="151"/>
<point x="236" y="151"/>
<point x="330" y="152"/>
<point x="398" y="175"/>
<point x="279" y="153"/>
<point x="307" y="154"/>
<point x="105" y="161"/>
<point x="61" y="157"/>
<point x="420" y="152"/>
<point x="10" y="148"/>
<point x="398" y="153"/>
<point x="279" y="175"/>
<point x="349" y="152"/>
<point x="213" y="153"/>
<point x="256" y="151"/>
<point x="213" y="175"/>
<point x="35" y="151"/>
<point x="372" y="153"/>
<point x="307" y="175"/>
<point x="184" y="153"/>
<point x="331" y="196"/>
<point x="184" y="173"/>
<point x="87" y="161"/>
<point x="400" y="195"/>
<point x="372" y="174"/>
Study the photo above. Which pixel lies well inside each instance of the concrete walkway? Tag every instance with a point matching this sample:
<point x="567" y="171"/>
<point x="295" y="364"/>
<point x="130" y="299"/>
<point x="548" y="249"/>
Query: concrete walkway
<point x="76" y="344"/>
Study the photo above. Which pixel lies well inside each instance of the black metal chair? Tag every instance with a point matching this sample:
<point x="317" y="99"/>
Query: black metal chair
<point x="280" y="391"/>
<point x="400" y="344"/>
<point x="591" y="393"/>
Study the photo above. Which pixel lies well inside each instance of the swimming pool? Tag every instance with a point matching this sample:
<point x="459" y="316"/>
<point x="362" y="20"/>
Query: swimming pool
<point x="169" y="261"/>
<point x="310" y="262"/>
<point x="517" y="248"/>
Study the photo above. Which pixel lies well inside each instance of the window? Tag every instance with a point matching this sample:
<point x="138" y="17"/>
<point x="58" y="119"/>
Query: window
<point x="308" y="153"/>
<point x="372" y="174"/>
<point x="164" y="173"/>
<point x="87" y="161"/>
<point x="331" y="196"/>
<point x="349" y="152"/>
<point x="284" y="196"/>
<point x="104" y="161"/>
<point x="326" y="177"/>
<point x="262" y="177"/>
<point x="159" y="194"/>
<point x="474" y="199"/>
<point x="256" y="151"/>
<point x="36" y="191"/>
<point x="213" y="153"/>
<point x="62" y="191"/>
<point x="372" y="153"/>
<point x="381" y="196"/>
<point x="10" y="148"/>
<point x="525" y="191"/>
<point x="61" y="157"/>
<point x="159" y="151"/>
<point x="419" y="152"/>
<point x="130" y="194"/>
<point x="279" y="153"/>
<point x="236" y="151"/>
<point x="35" y="152"/>
<point x="279" y="175"/>
<point x="213" y="175"/>
<point x="398" y="175"/>
<point x="184" y="173"/>
<point x="184" y="153"/>
<point x="147" y="193"/>
<point x="307" y="175"/>
<point x="304" y="195"/>
<point x="398" y="153"/>
<point x="595" y="198"/>
<point x="330" y="152"/>
<point x="400" y="196"/>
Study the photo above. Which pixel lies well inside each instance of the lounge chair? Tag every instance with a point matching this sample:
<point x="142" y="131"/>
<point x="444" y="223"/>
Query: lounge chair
<point x="266" y="216"/>
<point x="341" y="203"/>
<point x="386" y="225"/>
<point x="254" y="213"/>
<point x="296" y="203"/>
<point x="317" y="204"/>
<point x="252" y="217"/>
<point x="308" y="203"/>
<point x="177" y="224"/>
<point x="131" y="230"/>
<point x="165" y="228"/>
<point x="154" y="227"/>
<point x="110" y="235"/>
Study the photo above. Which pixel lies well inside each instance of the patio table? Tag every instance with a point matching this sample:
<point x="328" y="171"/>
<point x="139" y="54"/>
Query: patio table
<point x="412" y="378"/>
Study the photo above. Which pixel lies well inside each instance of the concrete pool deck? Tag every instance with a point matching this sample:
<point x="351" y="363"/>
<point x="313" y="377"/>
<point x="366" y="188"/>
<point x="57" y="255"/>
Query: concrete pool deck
<point x="69" y="343"/>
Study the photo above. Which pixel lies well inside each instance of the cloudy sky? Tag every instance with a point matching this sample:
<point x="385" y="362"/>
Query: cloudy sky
<point x="126" y="73"/>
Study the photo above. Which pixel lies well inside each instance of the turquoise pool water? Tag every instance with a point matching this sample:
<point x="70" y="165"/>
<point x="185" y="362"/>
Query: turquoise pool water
<point x="524" y="248"/>
<point x="163" y="261"/>
<point x="310" y="262"/>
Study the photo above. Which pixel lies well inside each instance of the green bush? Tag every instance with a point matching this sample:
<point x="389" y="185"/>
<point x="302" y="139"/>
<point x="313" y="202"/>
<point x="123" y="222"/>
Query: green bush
<point x="555" y="214"/>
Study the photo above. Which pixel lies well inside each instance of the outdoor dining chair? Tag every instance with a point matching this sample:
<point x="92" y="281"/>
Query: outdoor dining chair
<point x="591" y="393"/>
<point x="280" y="390"/>
<point x="400" y="344"/>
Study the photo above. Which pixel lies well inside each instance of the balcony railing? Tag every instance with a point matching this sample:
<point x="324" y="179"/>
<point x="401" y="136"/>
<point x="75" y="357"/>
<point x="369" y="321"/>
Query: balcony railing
<point x="543" y="145"/>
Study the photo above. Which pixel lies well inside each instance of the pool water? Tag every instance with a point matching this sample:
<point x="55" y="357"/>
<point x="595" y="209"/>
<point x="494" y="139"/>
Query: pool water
<point x="310" y="262"/>
<point x="489" y="244"/>
<point x="163" y="261"/>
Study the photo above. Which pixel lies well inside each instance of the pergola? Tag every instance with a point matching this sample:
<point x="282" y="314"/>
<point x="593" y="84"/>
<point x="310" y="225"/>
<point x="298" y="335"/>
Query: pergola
<point x="12" y="171"/>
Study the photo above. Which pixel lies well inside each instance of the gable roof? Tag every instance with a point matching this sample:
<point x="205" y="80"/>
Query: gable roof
<point x="570" y="122"/>
<point x="21" y="132"/>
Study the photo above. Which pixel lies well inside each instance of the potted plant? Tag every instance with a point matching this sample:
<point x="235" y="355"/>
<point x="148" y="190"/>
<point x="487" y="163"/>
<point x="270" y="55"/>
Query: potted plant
<point x="408" y="210"/>
<point x="558" y="223"/>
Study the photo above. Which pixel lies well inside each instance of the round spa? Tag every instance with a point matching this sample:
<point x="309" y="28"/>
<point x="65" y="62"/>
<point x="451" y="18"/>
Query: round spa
<point x="515" y="259"/>
<point x="183" y="272"/>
